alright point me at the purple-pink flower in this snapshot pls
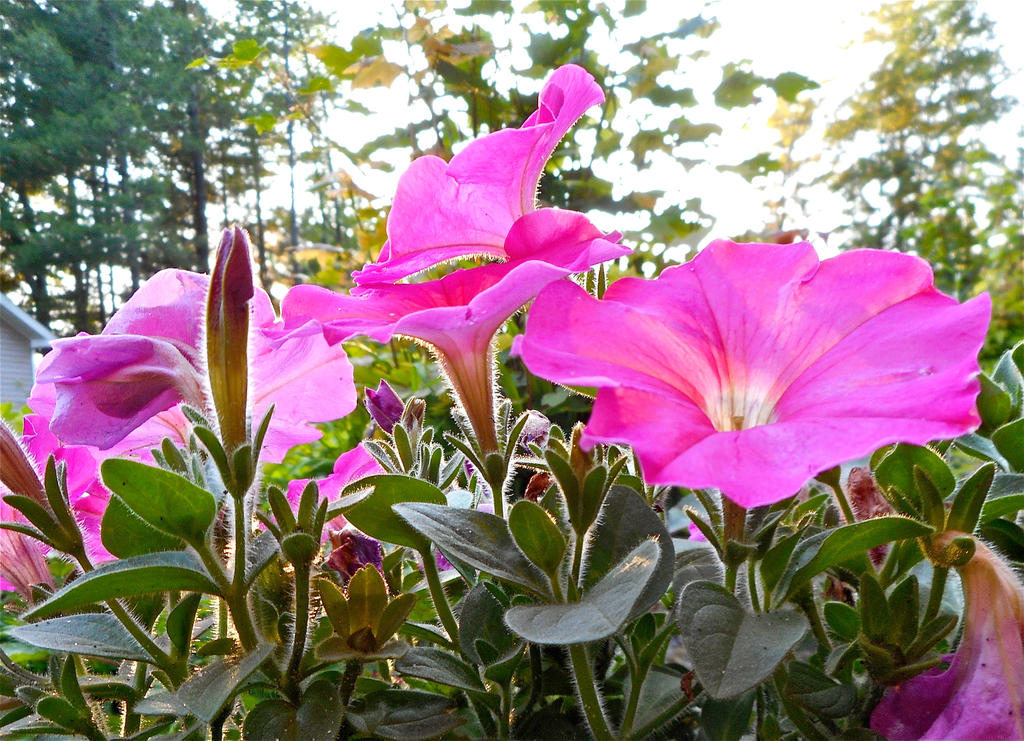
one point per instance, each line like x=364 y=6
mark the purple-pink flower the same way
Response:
x=119 y=391
x=443 y=210
x=981 y=694
x=754 y=367
x=459 y=314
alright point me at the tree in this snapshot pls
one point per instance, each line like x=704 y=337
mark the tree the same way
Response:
x=913 y=162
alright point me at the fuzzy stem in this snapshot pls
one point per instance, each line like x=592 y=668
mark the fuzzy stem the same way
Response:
x=301 y=625
x=935 y=596
x=590 y=697
x=472 y=380
x=444 y=610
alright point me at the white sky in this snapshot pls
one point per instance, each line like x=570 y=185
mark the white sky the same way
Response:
x=819 y=39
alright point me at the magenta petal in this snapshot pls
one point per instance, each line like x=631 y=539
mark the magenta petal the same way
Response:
x=466 y=207
x=754 y=367
x=168 y=305
x=305 y=378
x=460 y=312
x=108 y=385
x=981 y=694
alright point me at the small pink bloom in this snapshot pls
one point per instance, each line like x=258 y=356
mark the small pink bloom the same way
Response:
x=444 y=210
x=981 y=694
x=754 y=367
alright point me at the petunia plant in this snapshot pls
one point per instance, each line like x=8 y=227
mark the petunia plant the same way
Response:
x=792 y=509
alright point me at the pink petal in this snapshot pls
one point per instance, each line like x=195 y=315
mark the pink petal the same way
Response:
x=305 y=378
x=981 y=694
x=754 y=367
x=169 y=305
x=460 y=312
x=108 y=385
x=466 y=207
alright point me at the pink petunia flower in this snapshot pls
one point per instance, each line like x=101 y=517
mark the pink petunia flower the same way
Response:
x=119 y=391
x=754 y=367
x=444 y=210
x=981 y=694
x=459 y=314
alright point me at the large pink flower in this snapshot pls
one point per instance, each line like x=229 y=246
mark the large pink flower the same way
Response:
x=754 y=367
x=444 y=210
x=981 y=694
x=119 y=391
x=459 y=314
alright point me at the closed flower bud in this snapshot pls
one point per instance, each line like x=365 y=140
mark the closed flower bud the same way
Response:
x=227 y=334
x=384 y=406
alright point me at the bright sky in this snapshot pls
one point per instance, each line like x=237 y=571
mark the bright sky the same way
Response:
x=818 y=39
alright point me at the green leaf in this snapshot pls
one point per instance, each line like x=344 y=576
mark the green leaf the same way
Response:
x=969 y=500
x=983 y=448
x=994 y=403
x=318 y=717
x=169 y=502
x=696 y=561
x=1009 y=439
x=733 y=650
x=181 y=620
x=373 y=513
x=825 y=550
x=897 y=469
x=439 y=666
x=842 y=619
x=89 y=634
x=206 y=693
x=247 y=49
x=481 y=628
x=601 y=610
x=626 y=520
x=818 y=692
x=405 y=715
x=157 y=572
x=478 y=538
x=728 y=719
x=537 y=535
x=1006 y=497
x=661 y=687
x=125 y=534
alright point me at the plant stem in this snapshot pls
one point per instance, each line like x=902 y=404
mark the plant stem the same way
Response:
x=939 y=575
x=590 y=697
x=755 y=601
x=301 y=624
x=161 y=657
x=844 y=504
x=444 y=610
x=735 y=520
x=504 y=712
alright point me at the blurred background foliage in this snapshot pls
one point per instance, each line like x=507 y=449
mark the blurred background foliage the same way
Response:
x=133 y=130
